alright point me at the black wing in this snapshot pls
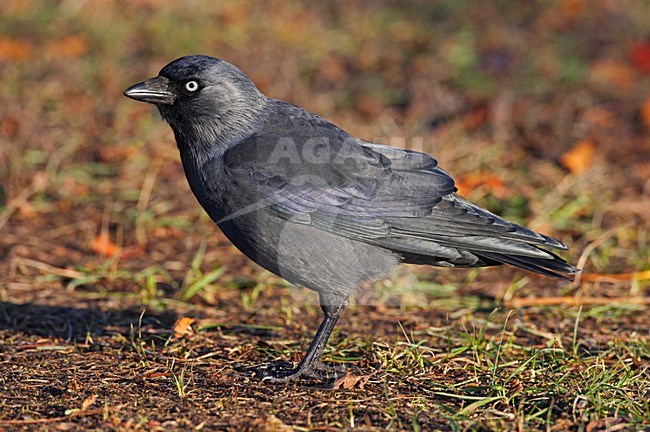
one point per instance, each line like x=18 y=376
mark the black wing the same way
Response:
x=301 y=165
x=308 y=171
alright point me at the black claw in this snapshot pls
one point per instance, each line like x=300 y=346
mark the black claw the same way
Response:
x=311 y=366
x=282 y=372
x=277 y=372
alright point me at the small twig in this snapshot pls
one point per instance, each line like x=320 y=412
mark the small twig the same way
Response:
x=616 y=277
x=15 y=204
x=575 y=301
x=70 y=228
x=80 y=413
x=47 y=268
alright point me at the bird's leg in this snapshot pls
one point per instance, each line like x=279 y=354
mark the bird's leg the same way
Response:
x=311 y=366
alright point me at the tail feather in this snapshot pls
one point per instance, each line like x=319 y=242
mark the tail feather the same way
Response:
x=555 y=268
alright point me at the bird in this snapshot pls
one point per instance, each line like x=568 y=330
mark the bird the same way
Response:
x=317 y=206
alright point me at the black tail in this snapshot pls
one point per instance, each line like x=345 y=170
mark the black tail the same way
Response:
x=555 y=268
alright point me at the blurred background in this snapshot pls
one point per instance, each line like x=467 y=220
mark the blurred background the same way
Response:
x=540 y=110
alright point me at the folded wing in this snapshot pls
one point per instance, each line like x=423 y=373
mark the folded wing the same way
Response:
x=309 y=171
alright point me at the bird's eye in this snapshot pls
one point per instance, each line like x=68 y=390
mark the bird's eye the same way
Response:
x=191 y=86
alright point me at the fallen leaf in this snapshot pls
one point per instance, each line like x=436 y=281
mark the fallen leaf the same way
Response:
x=115 y=153
x=572 y=8
x=9 y=126
x=103 y=245
x=580 y=157
x=150 y=375
x=40 y=180
x=270 y=423
x=26 y=210
x=132 y=251
x=15 y=7
x=13 y=49
x=491 y=182
x=182 y=326
x=640 y=56
x=334 y=69
x=349 y=381
x=605 y=424
x=474 y=118
x=612 y=73
x=68 y=47
x=88 y=402
x=598 y=116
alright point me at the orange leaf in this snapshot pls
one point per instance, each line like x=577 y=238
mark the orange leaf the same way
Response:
x=151 y=374
x=132 y=251
x=182 y=326
x=88 y=402
x=640 y=56
x=580 y=157
x=9 y=126
x=68 y=47
x=475 y=118
x=350 y=380
x=572 y=8
x=598 y=116
x=13 y=49
x=27 y=210
x=103 y=245
x=492 y=183
x=611 y=72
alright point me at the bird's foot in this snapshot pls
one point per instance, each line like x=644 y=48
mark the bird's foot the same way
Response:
x=283 y=372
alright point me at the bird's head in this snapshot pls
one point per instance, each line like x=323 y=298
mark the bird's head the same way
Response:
x=202 y=98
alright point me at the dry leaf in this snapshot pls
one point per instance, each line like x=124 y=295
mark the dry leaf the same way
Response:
x=580 y=157
x=132 y=251
x=489 y=181
x=68 y=47
x=40 y=180
x=572 y=8
x=13 y=49
x=270 y=423
x=152 y=374
x=598 y=116
x=27 y=210
x=603 y=425
x=15 y=7
x=9 y=126
x=103 y=245
x=475 y=118
x=349 y=381
x=88 y=402
x=182 y=326
x=612 y=73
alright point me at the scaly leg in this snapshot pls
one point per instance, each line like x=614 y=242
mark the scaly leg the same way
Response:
x=311 y=366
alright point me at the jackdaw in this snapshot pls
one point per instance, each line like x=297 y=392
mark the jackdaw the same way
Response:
x=318 y=207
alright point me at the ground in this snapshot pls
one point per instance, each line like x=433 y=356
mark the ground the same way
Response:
x=122 y=307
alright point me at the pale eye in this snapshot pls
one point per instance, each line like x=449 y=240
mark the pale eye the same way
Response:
x=191 y=86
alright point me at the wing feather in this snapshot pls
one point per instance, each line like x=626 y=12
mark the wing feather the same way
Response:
x=394 y=198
